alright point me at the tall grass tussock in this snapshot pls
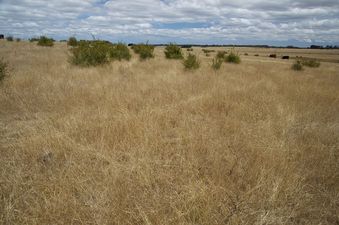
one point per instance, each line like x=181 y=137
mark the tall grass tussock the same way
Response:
x=3 y=70
x=191 y=62
x=216 y=63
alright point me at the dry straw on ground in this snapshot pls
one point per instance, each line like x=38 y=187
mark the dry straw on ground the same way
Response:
x=146 y=142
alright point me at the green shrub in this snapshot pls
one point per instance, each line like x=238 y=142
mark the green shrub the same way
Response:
x=45 y=41
x=9 y=38
x=17 y=39
x=191 y=62
x=297 y=66
x=91 y=53
x=172 y=51
x=310 y=63
x=145 y=51
x=72 y=41
x=3 y=70
x=216 y=63
x=120 y=51
x=233 y=58
x=221 y=54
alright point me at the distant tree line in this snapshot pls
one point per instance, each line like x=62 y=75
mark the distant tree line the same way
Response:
x=324 y=47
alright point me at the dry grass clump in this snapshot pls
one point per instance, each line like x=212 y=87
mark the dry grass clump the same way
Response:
x=297 y=66
x=216 y=63
x=310 y=63
x=191 y=62
x=3 y=70
x=145 y=143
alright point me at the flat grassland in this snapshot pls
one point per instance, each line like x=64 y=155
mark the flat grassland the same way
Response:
x=150 y=143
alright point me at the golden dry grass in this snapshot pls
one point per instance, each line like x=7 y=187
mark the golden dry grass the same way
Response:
x=148 y=143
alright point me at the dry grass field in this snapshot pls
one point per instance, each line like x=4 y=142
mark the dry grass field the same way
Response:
x=150 y=143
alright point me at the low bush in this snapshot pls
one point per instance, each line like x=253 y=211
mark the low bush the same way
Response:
x=216 y=63
x=310 y=63
x=18 y=39
x=256 y=55
x=221 y=55
x=45 y=41
x=246 y=54
x=72 y=41
x=90 y=53
x=190 y=49
x=233 y=58
x=297 y=66
x=172 y=51
x=119 y=52
x=145 y=51
x=9 y=38
x=191 y=62
x=3 y=70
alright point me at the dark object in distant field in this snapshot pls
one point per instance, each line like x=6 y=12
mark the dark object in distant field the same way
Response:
x=256 y=55
x=2 y=36
x=285 y=57
x=246 y=54
x=273 y=56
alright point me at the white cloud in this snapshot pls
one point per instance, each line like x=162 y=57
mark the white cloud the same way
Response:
x=213 y=20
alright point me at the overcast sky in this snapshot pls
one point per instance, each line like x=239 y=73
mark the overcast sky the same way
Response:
x=283 y=22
